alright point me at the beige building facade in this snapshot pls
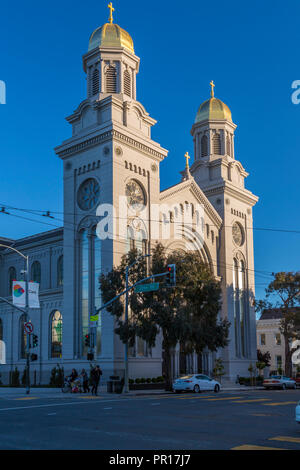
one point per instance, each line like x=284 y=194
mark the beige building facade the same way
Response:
x=111 y=167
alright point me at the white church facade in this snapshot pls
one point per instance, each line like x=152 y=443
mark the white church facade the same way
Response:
x=111 y=158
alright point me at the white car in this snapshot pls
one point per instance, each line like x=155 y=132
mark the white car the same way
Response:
x=195 y=383
x=298 y=413
x=279 y=381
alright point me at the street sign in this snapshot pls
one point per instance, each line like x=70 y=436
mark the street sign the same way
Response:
x=147 y=287
x=28 y=328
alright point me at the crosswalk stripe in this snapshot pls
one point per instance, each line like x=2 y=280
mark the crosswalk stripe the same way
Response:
x=252 y=447
x=285 y=439
x=281 y=403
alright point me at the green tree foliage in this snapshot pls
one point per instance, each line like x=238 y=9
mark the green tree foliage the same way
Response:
x=186 y=314
x=264 y=357
x=284 y=290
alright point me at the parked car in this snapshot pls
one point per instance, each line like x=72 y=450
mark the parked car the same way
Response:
x=298 y=413
x=279 y=381
x=297 y=380
x=195 y=383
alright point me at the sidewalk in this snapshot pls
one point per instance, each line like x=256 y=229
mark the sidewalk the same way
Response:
x=102 y=391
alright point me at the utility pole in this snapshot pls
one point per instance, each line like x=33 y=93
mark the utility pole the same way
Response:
x=28 y=334
x=126 y=378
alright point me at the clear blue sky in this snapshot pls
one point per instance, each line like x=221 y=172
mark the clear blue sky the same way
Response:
x=250 y=50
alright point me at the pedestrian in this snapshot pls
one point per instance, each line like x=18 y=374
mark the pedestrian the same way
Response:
x=85 y=381
x=96 y=374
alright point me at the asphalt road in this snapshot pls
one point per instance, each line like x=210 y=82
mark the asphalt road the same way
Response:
x=228 y=420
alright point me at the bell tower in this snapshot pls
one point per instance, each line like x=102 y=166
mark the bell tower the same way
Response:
x=221 y=177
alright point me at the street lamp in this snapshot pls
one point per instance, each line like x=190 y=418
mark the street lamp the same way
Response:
x=126 y=387
x=26 y=271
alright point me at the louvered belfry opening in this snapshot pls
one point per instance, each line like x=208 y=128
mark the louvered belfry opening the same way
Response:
x=217 y=144
x=204 y=146
x=228 y=146
x=95 y=82
x=111 y=80
x=127 y=83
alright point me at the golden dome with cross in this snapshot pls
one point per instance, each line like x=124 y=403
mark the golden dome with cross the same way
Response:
x=111 y=35
x=213 y=109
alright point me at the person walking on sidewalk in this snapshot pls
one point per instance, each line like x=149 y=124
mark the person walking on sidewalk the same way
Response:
x=85 y=381
x=96 y=374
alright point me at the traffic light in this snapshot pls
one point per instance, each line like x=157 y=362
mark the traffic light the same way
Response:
x=35 y=341
x=171 y=275
x=87 y=340
x=33 y=357
x=90 y=356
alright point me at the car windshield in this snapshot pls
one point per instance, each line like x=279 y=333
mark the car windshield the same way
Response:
x=186 y=377
x=276 y=377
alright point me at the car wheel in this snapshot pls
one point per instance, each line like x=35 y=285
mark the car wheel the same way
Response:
x=283 y=386
x=217 y=388
x=197 y=389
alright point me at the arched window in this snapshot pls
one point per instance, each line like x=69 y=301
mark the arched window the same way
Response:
x=23 y=337
x=204 y=146
x=12 y=276
x=36 y=272
x=56 y=334
x=95 y=82
x=127 y=83
x=217 y=144
x=60 y=271
x=111 y=80
x=84 y=281
x=1 y=330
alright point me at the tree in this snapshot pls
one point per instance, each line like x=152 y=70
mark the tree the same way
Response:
x=285 y=287
x=264 y=357
x=218 y=370
x=186 y=314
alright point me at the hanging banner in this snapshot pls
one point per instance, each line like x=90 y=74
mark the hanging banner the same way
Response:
x=19 y=294
x=34 y=301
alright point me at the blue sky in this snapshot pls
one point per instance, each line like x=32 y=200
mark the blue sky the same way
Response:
x=248 y=48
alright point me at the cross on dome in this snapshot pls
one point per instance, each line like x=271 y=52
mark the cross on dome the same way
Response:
x=212 y=93
x=110 y=6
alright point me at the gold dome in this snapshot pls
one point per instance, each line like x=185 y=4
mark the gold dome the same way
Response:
x=213 y=109
x=111 y=35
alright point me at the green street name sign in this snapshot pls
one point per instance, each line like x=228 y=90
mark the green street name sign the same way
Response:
x=147 y=287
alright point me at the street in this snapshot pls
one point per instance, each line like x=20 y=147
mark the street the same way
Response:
x=253 y=419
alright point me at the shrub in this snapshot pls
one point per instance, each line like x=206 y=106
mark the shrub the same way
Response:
x=148 y=381
x=15 y=378
x=131 y=381
x=160 y=379
x=23 y=380
x=137 y=381
x=154 y=380
x=143 y=380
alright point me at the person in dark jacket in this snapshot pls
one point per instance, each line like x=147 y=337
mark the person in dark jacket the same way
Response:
x=85 y=381
x=95 y=374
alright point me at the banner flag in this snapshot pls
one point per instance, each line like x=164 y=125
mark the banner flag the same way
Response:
x=19 y=294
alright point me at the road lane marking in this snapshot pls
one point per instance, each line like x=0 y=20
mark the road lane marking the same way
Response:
x=193 y=397
x=52 y=414
x=221 y=399
x=26 y=398
x=250 y=447
x=281 y=403
x=285 y=439
x=252 y=401
x=108 y=408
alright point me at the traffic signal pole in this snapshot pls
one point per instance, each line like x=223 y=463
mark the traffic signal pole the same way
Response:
x=28 y=335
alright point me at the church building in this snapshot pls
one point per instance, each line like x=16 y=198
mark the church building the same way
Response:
x=111 y=158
